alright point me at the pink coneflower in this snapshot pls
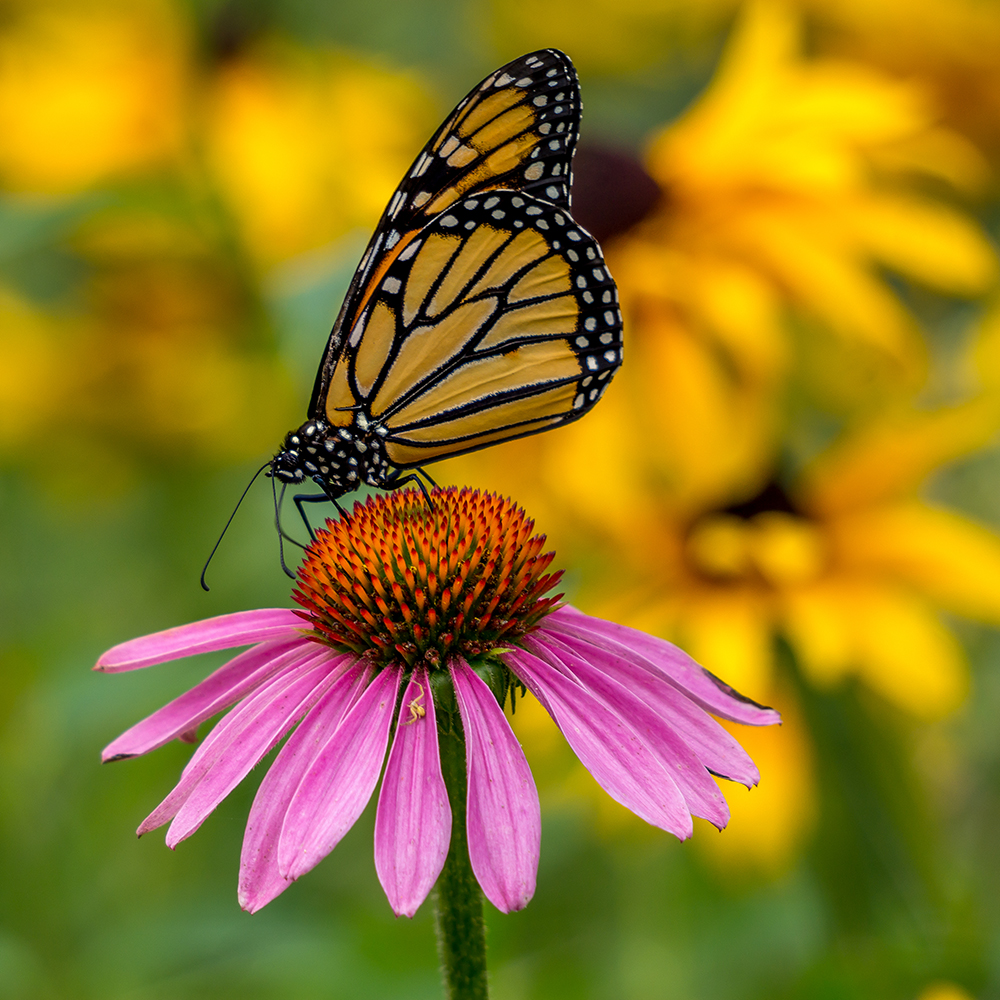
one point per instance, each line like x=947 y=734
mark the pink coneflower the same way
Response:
x=419 y=623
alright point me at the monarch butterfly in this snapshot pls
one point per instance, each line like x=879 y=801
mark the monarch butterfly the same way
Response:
x=480 y=311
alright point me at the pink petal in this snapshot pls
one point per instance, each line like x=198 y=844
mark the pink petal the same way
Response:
x=607 y=746
x=413 y=822
x=503 y=817
x=701 y=794
x=231 y=727
x=336 y=789
x=717 y=749
x=260 y=880
x=250 y=746
x=218 y=691
x=665 y=660
x=239 y=629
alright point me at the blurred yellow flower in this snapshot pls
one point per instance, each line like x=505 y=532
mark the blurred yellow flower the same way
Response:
x=777 y=193
x=88 y=91
x=308 y=145
x=951 y=45
x=944 y=991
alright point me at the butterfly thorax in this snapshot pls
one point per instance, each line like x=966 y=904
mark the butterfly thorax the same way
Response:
x=338 y=459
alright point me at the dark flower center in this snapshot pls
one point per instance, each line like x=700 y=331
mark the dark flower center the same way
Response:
x=399 y=581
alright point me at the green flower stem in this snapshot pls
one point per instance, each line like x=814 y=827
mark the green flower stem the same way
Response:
x=461 y=929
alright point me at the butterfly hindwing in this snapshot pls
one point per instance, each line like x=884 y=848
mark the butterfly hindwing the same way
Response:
x=499 y=319
x=516 y=130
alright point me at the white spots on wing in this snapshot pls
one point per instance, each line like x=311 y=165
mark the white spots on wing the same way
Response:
x=471 y=204
x=490 y=202
x=503 y=79
x=421 y=199
x=545 y=128
x=532 y=210
x=578 y=402
x=498 y=214
x=392 y=239
x=397 y=202
x=609 y=318
x=409 y=251
x=582 y=342
x=590 y=324
x=451 y=144
x=540 y=101
x=391 y=285
x=574 y=235
x=573 y=255
x=542 y=224
x=525 y=81
x=517 y=201
x=606 y=338
x=420 y=167
x=535 y=171
x=359 y=328
x=449 y=221
x=552 y=191
x=471 y=224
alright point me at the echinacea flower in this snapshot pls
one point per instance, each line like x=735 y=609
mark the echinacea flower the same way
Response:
x=418 y=621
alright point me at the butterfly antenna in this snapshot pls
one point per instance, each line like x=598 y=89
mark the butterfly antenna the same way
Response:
x=215 y=548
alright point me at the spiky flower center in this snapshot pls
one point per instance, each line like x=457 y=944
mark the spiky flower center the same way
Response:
x=398 y=580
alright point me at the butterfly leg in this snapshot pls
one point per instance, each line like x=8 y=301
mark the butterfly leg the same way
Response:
x=397 y=481
x=301 y=498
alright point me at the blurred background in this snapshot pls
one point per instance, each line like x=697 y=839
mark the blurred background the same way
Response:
x=795 y=475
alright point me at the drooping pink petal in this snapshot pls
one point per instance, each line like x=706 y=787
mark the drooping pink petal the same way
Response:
x=260 y=880
x=252 y=744
x=712 y=745
x=232 y=727
x=336 y=789
x=413 y=822
x=224 y=632
x=701 y=794
x=218 y=691
x=607 y=746
x=503 y=817
x=665 y=660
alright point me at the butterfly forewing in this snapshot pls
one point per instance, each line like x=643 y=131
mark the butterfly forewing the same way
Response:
x=517 y=130
x=498 y=320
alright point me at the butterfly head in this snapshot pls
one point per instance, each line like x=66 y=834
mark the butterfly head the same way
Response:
x=311 y=452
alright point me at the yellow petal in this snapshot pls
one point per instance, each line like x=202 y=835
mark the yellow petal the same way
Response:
x=729 y=631
x=932 y=243
x=889 y=638
x=817 y=621
x=943 y=554
x=889 y=458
